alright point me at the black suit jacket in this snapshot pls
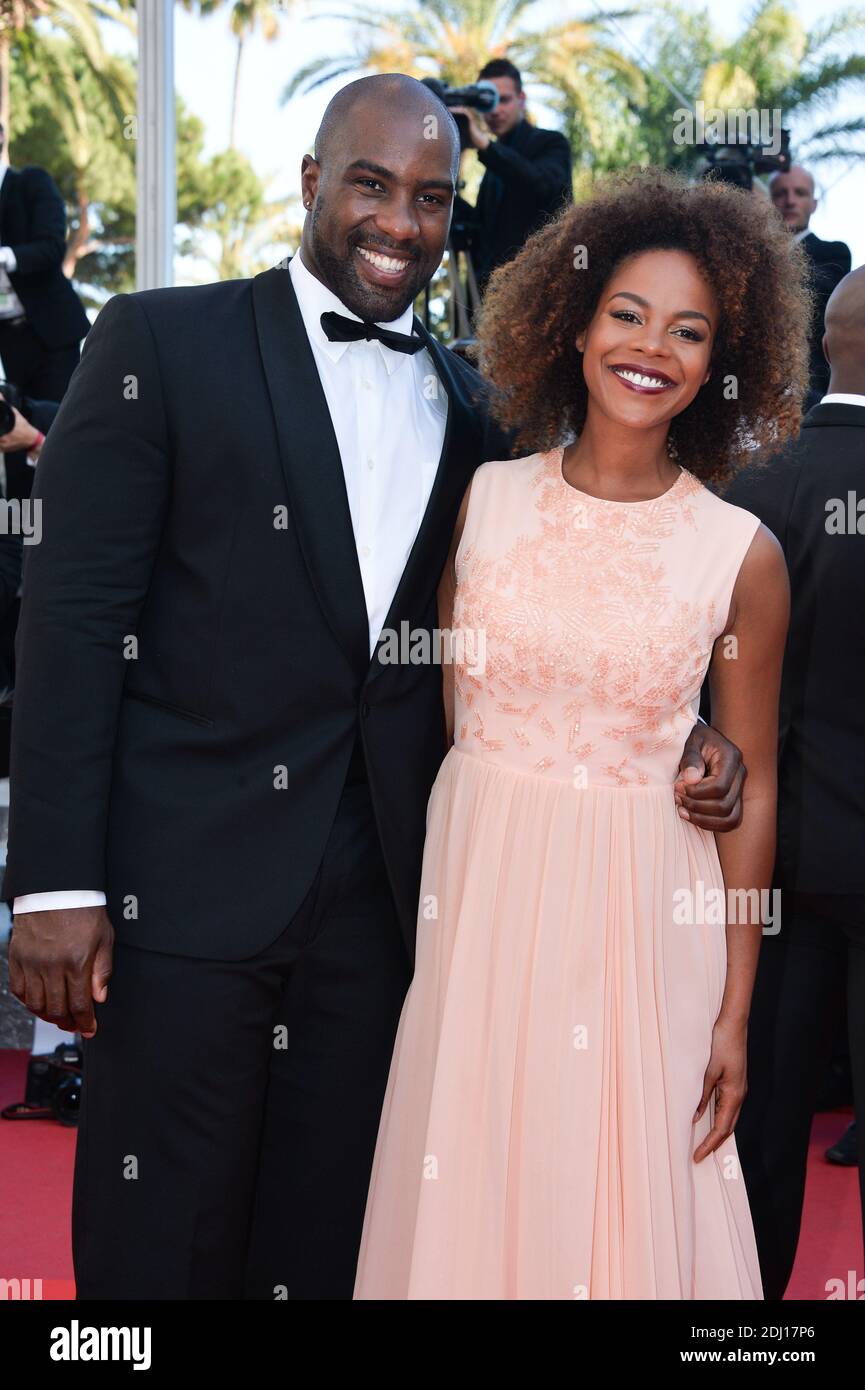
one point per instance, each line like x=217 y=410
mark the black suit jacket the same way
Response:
x=33 y=223
x=830 y=262
x=821 y=794
x=193 y=649
x=528 y=179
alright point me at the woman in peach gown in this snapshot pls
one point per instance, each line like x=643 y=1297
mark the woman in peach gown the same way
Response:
x=570 y=1059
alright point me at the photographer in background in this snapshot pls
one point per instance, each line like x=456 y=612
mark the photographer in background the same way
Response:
x=23 y=426
x=528 y=174
x=793 y=195
x=42 y=320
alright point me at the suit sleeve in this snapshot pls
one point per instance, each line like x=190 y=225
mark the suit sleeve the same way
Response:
x=494 y=442
x=768 y=492
x=42 y=414
x=102 y=487
x=542 y=175
x=46 y=245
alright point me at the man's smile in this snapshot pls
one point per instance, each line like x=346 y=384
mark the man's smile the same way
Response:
x=383 y=267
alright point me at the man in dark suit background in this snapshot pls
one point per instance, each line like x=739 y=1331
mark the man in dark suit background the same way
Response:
x=528 y=174
x=813 y=498
x=793 y=195
x=218 y=782
x=42 y=320
x=24 y=441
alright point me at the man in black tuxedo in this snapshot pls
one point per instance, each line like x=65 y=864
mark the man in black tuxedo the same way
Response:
x=813 y=498
x=793 y=195
x=527 y=179
x=248 y=484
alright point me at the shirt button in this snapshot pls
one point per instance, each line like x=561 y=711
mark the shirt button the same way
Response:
x=364 y=551
x=367 y=385
x=370 y=461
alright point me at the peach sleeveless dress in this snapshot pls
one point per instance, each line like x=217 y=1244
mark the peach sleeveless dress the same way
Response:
x=536 y=1138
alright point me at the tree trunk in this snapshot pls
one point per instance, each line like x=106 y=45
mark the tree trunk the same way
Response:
x=5 y=46
x=235 y=94
x=78 y=244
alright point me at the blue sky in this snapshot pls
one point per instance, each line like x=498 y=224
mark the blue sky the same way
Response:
x=275 y=138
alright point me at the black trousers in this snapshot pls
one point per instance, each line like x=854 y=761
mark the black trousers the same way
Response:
x=230 y=1109
x=802 y=977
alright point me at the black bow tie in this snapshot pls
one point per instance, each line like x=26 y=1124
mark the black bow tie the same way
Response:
x=339 y=329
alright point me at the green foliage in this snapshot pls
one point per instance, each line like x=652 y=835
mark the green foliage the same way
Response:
x=73 y=103
x=618 y=110
x=80 y=124
x=773 y=64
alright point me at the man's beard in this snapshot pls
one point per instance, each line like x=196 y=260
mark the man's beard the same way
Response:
x=343 y=278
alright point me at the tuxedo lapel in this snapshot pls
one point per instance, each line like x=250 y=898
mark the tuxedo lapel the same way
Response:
x=315 y=479
x=311 y=462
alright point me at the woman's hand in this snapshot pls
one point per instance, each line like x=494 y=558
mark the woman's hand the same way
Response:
x=726 y=1072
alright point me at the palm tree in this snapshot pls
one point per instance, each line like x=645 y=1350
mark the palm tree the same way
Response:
x=87 y=112
x=241 y=227
x=77 y=19
x=572 y=61
x=246 y=17
x=773 y=64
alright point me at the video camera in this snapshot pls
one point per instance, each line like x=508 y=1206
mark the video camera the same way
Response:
x=738 y=163
x=480 y=96
x=11 y=397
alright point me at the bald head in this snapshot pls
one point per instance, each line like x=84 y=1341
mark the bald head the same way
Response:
x=799 y=174
x=379 y=192
x=387 y=96
x=844 y=339
x=793 y=195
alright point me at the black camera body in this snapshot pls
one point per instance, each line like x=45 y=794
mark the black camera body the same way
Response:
x=479 y=96
x=738 y=163
x=54 y=1082
x=11 y=396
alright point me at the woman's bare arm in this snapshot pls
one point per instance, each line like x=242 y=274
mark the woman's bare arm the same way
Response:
x=745 y=681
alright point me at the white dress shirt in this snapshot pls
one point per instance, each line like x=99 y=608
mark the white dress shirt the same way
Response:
x=10 y=305
x=843 y=398
x=389 y=411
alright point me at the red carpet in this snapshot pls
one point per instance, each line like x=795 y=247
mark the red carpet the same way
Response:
x=36 y=1159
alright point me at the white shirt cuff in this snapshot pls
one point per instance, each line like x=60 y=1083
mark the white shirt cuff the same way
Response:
x=7 y=255
x=51 y=902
